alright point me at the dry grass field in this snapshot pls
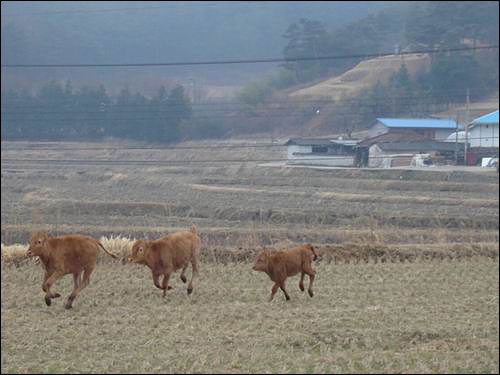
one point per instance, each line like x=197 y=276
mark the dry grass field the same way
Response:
x=408 y=280
x=366 y=74
x=423 y=317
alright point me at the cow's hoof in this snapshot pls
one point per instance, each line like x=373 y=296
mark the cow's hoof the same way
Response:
x=301 y=287
x=169 y=287
x=48 y=301
x=190 y=290
x=311 y=293
x=184 y=279
x=68 y=306
x=56 y=295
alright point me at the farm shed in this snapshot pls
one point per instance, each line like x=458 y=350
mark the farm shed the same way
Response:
x=362 y=148
x=483 y=131
x=320 y=151
x=428 y=128
x=398 y=154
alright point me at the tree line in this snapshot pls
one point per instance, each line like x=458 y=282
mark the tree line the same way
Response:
x=60 y=112
x=422 y=25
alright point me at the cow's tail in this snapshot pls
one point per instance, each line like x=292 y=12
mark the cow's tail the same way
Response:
x=313 y=251
x=196 y=244
x=106 y=251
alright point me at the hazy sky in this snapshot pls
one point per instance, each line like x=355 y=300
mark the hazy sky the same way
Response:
x=48 y=32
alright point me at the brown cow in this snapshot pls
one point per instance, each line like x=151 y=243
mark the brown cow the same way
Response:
x=282 y=264
x=169 y=254
x=62 y=255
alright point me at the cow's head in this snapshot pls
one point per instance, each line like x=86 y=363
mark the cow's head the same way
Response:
x=138 y=252
x=262 y=261
x=38 y=243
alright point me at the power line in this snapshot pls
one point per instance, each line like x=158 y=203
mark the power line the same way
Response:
x=401 y=155
x=230 y=103
x=151 y=148
x=321 y=100
x=250 y=61
x=158 y=118
x=167 y=117
x=167 y=108
x=79 y=11
x=198 y=147
x=230 y=107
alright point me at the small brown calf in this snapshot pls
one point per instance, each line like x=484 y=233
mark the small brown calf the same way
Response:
x=283 y=264
x=62 y=255
x=169 y=254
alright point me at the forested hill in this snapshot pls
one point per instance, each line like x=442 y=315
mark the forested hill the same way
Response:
x=395 y=86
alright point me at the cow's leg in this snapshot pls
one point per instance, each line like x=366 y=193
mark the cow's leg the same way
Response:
x=81 y=285
x=301 y=284
x=77 y=280
x=194 y=266
x=165 y=286
x=45 y=278
x=54 y=295
x=183 y=273
x=170 y=287
x=308 y=269
x=48 y=283
x=156 y=279
x=282 y=286
x=274 y=290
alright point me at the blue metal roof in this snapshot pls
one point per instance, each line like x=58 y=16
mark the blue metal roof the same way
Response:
x=418 y=123
x=490 y=118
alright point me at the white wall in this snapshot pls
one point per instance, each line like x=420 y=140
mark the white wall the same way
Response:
x=317 y=159
x=330 y=161
x=484 y=136
x=377 y=158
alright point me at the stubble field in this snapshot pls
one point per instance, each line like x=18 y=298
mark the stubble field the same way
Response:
x=407 y=281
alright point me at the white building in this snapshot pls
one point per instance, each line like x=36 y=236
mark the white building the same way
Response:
x=483 y=131
x=319 y=151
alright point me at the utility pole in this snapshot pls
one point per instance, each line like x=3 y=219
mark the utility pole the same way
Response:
x=456 y=140
x=193 y=89
x=466 y=128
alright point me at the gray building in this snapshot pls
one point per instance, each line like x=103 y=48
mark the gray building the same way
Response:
x=398 y=154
